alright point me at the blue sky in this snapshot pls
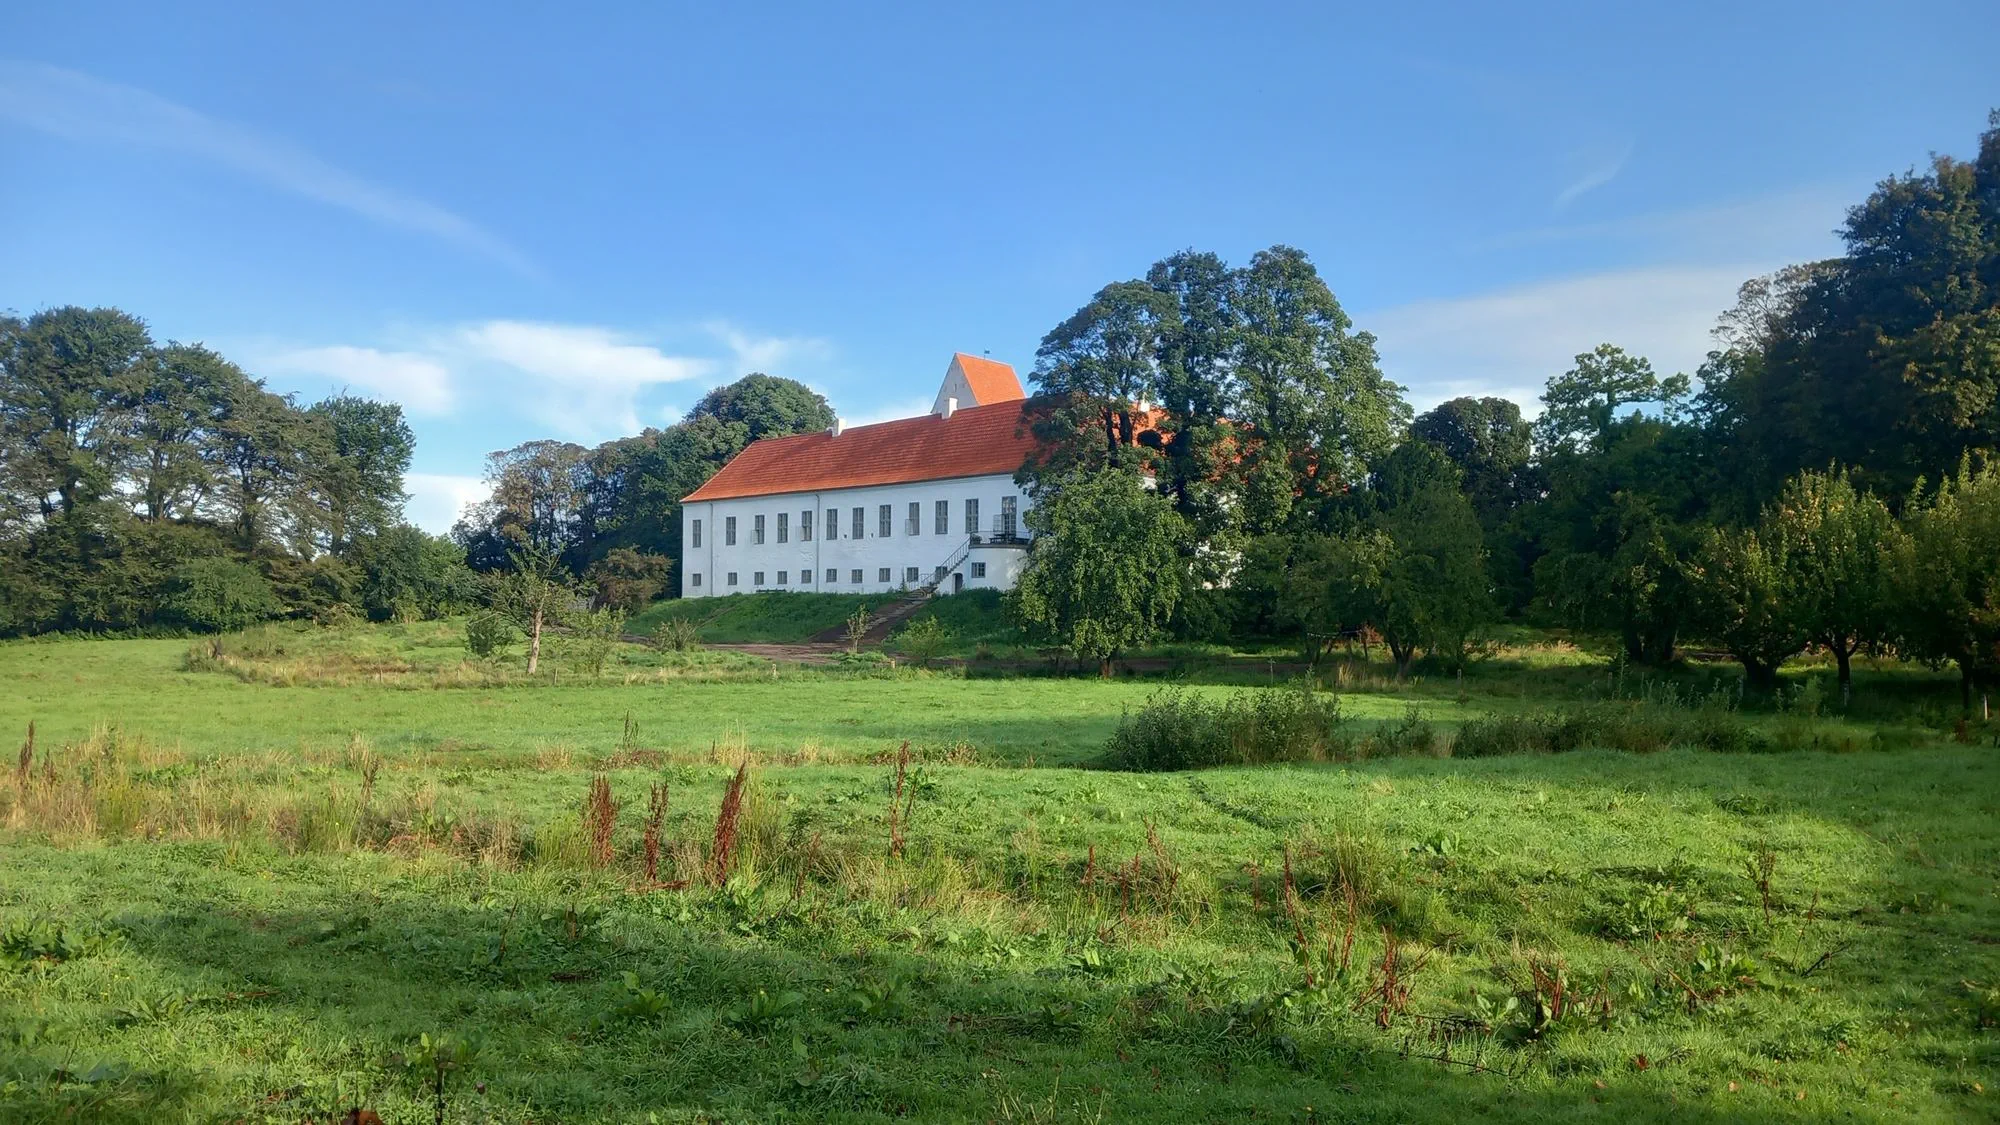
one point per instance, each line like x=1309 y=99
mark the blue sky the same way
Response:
x=522 y=222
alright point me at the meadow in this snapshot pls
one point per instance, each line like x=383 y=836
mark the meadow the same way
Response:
x=295 y=874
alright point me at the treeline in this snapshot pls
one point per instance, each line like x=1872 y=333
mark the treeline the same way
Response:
x=1774 y=500
x=159 y=486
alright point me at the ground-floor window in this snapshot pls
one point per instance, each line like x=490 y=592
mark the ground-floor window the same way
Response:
x=883 y=576
x=832 y=575
x=732 y=578
x=979 y=570
x=909 y=574
x=783 y=576
x=805 y=577
x=694 y=579
x=757 y=578
x=855 y=578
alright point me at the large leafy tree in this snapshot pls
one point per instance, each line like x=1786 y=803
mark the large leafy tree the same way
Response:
x=1581 y=406
x=1842 y=546
x=1106 y=570
x=356 y=481
x=765 y=406
x=1745 y=586
x=1095 y=370
x=69 y=377
x=1949 y=576
x=174 y=424
x=261 y=451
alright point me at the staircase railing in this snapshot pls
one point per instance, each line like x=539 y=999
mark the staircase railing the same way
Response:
x=958 y=557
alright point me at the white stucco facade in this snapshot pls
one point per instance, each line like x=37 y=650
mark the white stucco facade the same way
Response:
x=808 y=540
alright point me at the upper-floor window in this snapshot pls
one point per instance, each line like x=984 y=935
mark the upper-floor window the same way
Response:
x=805 y=526
x=882 y=520
x=783 y=531
x=729 y=533
x=1007 y=516
x=694 y=534
x=943 y=517
x=757 y=530
x=972 y=516
x=911 y=525
x=860 y=514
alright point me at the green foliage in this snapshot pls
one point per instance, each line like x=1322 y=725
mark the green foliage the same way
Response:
x=218 y=595
x=1949 y=574
x=1746 y=588
x=627 y=580
x=923 y=640
x=677 y=634
x=1182 y=730
x=407 y=572
x=590 y=639
x=487 y=635
x=1106 y=570
x=1581 y=406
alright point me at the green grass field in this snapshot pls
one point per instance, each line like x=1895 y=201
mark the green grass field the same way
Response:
x=336 y=870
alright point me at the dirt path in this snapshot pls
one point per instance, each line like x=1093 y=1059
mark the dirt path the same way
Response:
x=810 y=652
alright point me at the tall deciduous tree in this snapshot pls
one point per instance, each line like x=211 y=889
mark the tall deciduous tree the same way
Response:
x=1097 y=368
x=1580 y=405
x=356 y=482
x=1106 y=570
x=69 y=377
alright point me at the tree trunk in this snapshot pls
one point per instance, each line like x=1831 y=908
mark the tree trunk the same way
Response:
x=1404 y=654
x=1965 y=685
x=1104 y=668
x=1843 y=655
x=534 y=642
x=1759 y=676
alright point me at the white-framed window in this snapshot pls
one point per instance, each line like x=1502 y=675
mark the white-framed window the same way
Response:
x=695 y=533
x=938 y=574
x=732 y=578
x=729 y=531
x=757 y=530
x=883 y=575
x=909 y=574
x=979 y=570
x=833 y=575
x=805 y=577
x=757 y=578
x=784 y=577
x=913 y=524
x=854 y=576
x=860 y=516
x=806 y=526
x=882 y=521
x=784 y=520
x=943 y=517
x=695 y=579
x=972 y=516
x=1008 y=516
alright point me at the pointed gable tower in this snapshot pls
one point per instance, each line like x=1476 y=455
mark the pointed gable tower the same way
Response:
x=971 y=380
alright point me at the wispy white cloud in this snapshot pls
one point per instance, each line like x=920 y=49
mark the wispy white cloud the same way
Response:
x=420 y=383
x=767 y=354
x=1601 y=168
x=437 y=499
x=577 y=354
x=1791 y=225
x=76 y=106
x=890 y=411
x=1510 y=342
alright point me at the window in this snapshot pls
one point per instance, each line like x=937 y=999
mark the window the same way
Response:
x=757 y=529
x=832 y=524
x=938 y=574
x=805 y=577
x=783 y=576
x=944 y=517
x=783 y=519
x=694 y=579
x=854 y=577
x=859 y=515
x=979 y=570
x=729 y=533
x=883 y=576
x=832 y=575
x=882 y=519
x=805 y=527
x=1007 y=516
x=757 y=578
x=732 y=578
x=911 y=526
x=972 y=517
x=696 y=533
x=909 y=574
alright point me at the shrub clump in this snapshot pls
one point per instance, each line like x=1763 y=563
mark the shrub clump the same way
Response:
x=1181 y=730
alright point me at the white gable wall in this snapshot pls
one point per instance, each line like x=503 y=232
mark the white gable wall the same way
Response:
x=956 y=386
x=803 y=564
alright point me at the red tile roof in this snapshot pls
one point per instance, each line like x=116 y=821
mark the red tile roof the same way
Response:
x=975 y=441
x=991 y=380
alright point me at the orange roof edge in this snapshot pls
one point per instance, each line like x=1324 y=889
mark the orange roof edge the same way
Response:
x=991 y=380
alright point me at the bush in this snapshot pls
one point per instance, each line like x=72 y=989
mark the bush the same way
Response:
x=923 y=640
x=487 y=635
x=218 y=595
x=1178 y=730
x=677 y=634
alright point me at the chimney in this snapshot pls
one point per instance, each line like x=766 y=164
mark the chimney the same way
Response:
x=950 y=408
x=839 y=427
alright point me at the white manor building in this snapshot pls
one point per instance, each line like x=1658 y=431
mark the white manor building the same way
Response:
x=914 y=503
